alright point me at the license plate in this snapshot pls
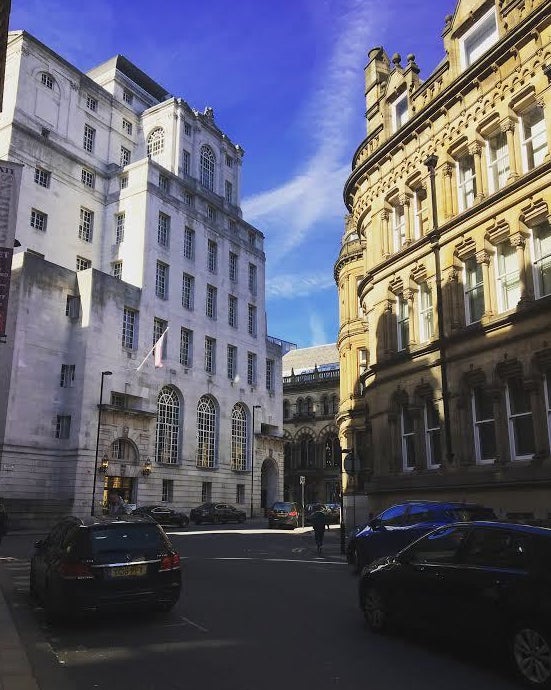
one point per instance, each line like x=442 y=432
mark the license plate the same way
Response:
x=128 y=570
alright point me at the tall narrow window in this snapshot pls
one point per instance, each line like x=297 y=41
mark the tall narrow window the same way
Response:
x=498 y=161
x=125 y=156
x=207 y=167
x=188 y=290
x=474 y=290
x=253 y=277
x=533 y=137
x=167 y=491
x=89 y=139
x=251 y=368
x=403 y=323
x=210 y=355
x=479 y=38
x=156 y=142
x=86 y=225
x=231 y=368
x=212 y=256
x=210 y=305
x=398 y=227
x=400 y=112
x=129 y=328
x=408 y=439
x=161 y=280
x=232 y=311
x=232 y=267
x=189 y=243
x=119 y=227
x=228 y=190
x=206 y=492
x=186 y=347
x=521 y=426
x=168 y=427
x=542 y=259
x=159 y=327
x=270 y=374
x=163 y=229
x=508 y=277
x=186 y=162
x=238 y=438
x=484 y=425
x=426 y=315
x=252 y=320
x=116 y=269
x=466 y=182
x=67 y=377
x=432 y=435
x=420 y=210
x=206 y=433
x=63 y=426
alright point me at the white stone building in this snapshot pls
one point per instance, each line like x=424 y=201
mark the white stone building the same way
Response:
x=129 y=223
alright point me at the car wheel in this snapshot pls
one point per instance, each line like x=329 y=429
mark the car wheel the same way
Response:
x=531 y=655
x=375 y=611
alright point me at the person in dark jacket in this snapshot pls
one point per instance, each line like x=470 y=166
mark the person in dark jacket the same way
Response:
x=318 y=520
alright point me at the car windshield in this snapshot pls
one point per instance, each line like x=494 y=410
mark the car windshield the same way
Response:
x=123 y=539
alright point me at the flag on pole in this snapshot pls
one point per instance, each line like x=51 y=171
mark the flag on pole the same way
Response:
x=157 y=351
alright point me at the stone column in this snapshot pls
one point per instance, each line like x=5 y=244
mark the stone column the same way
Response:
x=385 y=216
x=476 y=152
x=509 y=128
x=389 y=330
x=518 y=241
x=501 y=423
x=447 y=169
x=404 y=200
x=409 y=295
x=483 y=257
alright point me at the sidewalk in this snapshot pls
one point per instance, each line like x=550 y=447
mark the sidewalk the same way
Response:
x=15 y=669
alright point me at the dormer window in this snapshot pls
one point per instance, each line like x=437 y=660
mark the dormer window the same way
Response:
x=479 y=38
x=400 y=113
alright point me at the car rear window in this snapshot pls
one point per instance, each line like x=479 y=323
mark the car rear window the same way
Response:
x=470 y=513
x=282 y=506
x=126 y=538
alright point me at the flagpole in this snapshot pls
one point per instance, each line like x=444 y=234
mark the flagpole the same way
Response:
x=151 y=351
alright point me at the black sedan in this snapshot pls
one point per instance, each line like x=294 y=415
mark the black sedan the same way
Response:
x=107 y=563
x=216 y=513
x=484 y=582
x=163 y=515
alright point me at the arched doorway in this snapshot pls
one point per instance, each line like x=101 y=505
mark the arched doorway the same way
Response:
x=269 y=483
x=121 y=475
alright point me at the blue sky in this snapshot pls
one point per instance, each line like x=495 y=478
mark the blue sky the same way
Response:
x=285 y=79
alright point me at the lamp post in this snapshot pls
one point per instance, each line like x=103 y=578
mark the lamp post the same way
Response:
x=103 y=375
x=255 y=407
x=431 y=162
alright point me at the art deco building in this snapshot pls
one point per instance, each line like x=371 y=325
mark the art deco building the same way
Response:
x=444 y=273
x=129 y=222
x=310 y=403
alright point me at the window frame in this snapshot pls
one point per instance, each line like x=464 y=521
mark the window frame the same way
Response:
x=473 y=292
x=504 y=285
x=478 y=424
x=473 y=34
x=512 y=417
x=186 y=347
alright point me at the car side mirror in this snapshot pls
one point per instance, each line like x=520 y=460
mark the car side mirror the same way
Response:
x=376 y=524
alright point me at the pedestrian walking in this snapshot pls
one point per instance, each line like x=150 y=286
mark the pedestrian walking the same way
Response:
x=318 y=520
x=116 y=504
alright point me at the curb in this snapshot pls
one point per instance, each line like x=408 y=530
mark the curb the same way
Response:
x=15 y=669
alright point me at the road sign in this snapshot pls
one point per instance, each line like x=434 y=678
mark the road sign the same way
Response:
x=302 y=479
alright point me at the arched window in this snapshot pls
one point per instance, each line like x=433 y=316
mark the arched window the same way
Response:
x=307 y=452
x=334 y=404
x=123 y=450
x=206 y=432
x=309 y=407
x=238 y=438
x=325 y=405
x=168 y=426
x=332 y=451
x=286 y=410
x=300 y=406
x=156 y=142
x=207 y=167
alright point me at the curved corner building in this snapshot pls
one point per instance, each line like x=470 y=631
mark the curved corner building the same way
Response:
x=444 y=273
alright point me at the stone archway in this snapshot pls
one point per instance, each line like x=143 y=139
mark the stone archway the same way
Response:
x=269 y=483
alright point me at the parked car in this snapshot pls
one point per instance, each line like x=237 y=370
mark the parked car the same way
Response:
x=163 y=515
x=105 y=563
x=485 y=582
x=284 y=514
x=334 y=511
x=3 y=520
x=401 y=524
x=216 y=513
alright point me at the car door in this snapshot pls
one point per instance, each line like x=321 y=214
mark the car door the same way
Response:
x=50 y=553
x=162 y=515
x=385 y=536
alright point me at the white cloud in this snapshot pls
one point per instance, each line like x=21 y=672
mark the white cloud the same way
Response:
x=318 y=335
x=288 y=285
x=288 y=213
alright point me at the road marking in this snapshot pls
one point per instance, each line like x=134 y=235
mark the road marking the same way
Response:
x=319 y=560
x=194 y=625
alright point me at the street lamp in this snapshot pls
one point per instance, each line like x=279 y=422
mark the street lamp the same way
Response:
x=103 y=375
x=255 y=407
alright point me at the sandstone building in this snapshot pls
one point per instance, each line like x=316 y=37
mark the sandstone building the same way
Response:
x=444 y=273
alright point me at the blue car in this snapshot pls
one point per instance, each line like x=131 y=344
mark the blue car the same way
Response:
x=402 y=524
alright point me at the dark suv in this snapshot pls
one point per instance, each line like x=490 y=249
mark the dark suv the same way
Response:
x=483 y=583
x=105 y=563
x=401 y=524
x=284 y=514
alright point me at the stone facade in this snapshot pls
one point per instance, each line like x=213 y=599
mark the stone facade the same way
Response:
x=310 y=403
x=129 y=223
x=444 y=273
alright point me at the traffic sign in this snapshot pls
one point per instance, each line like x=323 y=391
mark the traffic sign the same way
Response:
x=302 y=479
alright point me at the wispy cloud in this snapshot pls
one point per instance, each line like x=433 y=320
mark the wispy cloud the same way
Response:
x=291 y=211
x=291 y=285
x=318 y=333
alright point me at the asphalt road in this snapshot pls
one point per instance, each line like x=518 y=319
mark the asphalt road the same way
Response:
x=260 y=611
